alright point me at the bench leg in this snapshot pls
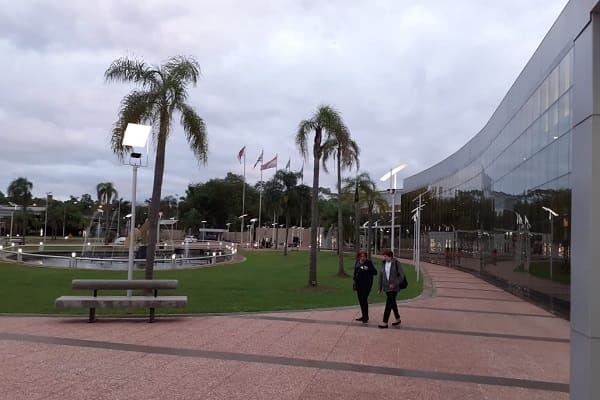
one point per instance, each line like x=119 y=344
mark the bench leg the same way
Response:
x=151 y=315
x=92 y=315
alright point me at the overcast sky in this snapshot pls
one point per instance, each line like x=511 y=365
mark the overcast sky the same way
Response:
x=413 y=80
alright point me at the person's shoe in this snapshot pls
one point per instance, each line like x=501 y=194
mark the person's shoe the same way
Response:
x=397 y=322
x=361 y=319
x=382 y=326
x=365 y=320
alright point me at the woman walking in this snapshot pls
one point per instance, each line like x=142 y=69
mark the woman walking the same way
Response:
x=363 y=282
x=390 y=278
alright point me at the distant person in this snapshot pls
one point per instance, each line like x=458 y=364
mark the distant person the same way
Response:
x=390 y=278
x=364 y=270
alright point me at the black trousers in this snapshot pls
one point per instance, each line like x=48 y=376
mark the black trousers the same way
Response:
x=390 y=305
x=363 y=296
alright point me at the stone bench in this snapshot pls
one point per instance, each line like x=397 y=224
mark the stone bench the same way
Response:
x=122 y=301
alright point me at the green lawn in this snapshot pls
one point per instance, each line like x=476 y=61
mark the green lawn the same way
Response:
x=266 y=281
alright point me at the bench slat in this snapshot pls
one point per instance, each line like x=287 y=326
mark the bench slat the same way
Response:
x=125 y=284
x=121 y=302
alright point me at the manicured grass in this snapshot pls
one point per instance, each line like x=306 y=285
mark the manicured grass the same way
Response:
x=266 y=281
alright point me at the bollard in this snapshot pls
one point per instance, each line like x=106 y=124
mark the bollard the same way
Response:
x=20 y=255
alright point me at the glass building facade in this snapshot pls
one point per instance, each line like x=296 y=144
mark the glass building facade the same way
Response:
x=501 y=206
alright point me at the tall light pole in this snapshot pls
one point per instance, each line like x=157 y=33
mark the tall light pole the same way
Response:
x=12 y=215
x=551 y=214
x=253 y=221
x=46 y=216
x=392 y=190
x=203 y=222
x=136 y=136
x=241 y=217
x=65 y=215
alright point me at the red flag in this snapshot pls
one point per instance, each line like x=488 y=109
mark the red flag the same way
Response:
x=241 y=153
x=270 y=164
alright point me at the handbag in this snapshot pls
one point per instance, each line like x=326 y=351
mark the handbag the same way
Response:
x=404 y=283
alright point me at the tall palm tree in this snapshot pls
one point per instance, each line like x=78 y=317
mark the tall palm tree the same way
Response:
x=106 y=193
x=366 y=195
x=19 y=191
x=346 y=152
x=325 y=123
x=162 y=92
x=290 y=199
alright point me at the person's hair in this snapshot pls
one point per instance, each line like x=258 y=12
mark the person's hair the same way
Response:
x=388 y=253
x=360 y=253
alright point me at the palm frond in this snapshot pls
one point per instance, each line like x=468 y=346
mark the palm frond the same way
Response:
x=182 y=69
x=304 y=129
x=195 y=130
x=131 y=70
x=136 y=107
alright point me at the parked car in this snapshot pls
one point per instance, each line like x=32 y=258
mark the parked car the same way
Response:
x=120 y=241
x=190 y=239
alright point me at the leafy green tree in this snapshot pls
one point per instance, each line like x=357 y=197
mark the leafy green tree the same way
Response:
x=345 y=151
x=162 y=92
x=289 y=197
x=19 y=191
x=325 y=123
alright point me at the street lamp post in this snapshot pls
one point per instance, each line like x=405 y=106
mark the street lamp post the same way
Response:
x=135 y=136
x=253 y=221
x=551 y=214
x=46 y=214
x=12 y=215
x=203 y=229
x=241 y=217
x=392 y=190
x=65 y=216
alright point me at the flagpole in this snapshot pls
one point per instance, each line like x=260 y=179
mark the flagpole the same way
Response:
x=244 y=188
x=260 y=198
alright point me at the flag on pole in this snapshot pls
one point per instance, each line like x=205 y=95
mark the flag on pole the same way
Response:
x=270 y=164
x=260 y=159
x=287 y=166
x=241 y=154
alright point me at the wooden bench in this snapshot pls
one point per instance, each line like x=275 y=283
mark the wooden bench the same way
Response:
x=122 y=302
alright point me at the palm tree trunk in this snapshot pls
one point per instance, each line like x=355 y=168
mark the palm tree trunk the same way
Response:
x=314 y=205
x=159 y=168
x=340 y=239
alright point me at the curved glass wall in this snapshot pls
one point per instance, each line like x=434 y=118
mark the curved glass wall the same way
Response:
x=485 y=204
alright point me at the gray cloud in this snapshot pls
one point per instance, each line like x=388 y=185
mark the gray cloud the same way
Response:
x=413 y=80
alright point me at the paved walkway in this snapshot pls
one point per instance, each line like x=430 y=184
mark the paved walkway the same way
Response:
x=469 y=340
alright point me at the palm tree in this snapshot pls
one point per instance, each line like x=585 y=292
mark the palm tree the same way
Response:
x=19 y=191
x=325 y=123
x=162 y=91
x=106 y=193
x=365 y=194
x=290 y=199
x=346 y=152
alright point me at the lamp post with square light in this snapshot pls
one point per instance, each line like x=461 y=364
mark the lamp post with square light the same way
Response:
x=551 y=215
x=135 y=138
x=392 y=190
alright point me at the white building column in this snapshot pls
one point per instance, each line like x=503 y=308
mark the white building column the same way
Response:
x=585 y=230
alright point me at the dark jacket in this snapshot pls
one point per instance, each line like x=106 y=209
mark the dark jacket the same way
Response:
x=396 y=276
x=363 y=277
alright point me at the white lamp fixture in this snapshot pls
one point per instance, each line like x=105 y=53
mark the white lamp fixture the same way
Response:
x=393 y=172
x=135 y=136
